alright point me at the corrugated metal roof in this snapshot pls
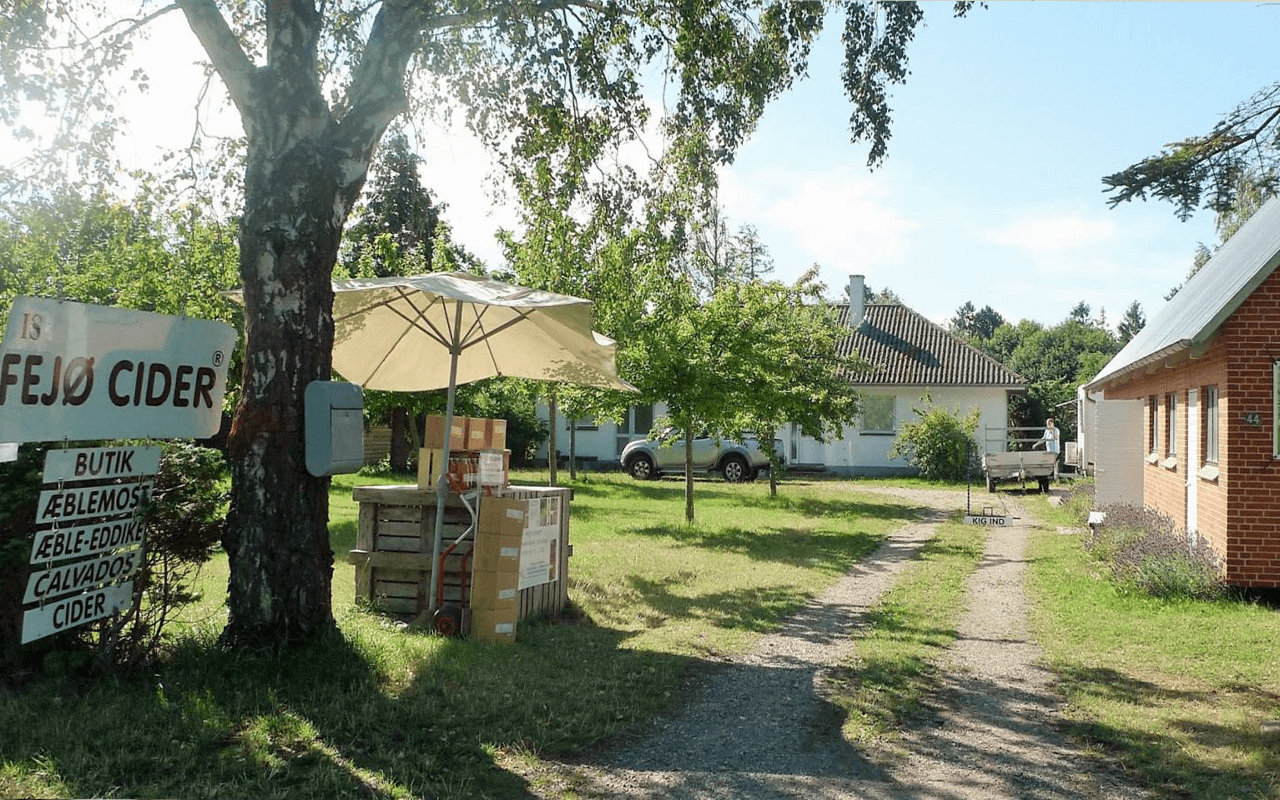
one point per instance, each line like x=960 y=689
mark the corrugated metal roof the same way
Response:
x=1197 y=311
x=908 y=350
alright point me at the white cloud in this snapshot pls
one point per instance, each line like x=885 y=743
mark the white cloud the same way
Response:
x=846 y=225
x=1052 y=234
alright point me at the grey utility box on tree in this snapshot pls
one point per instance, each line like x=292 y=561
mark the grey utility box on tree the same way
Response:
x=334 y=428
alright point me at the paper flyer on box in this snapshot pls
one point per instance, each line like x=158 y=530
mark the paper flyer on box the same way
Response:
x=539 y=559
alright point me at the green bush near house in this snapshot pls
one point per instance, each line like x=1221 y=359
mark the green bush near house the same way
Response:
x=939 y=443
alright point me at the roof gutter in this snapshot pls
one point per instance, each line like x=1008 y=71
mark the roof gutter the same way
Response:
x=1128 y=370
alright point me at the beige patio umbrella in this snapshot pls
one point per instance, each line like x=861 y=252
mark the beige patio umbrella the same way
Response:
x=447 y=328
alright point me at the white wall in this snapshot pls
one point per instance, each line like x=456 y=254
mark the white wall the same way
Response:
x=600 y=444
x=868 y=453
x=856 y=453
x=1119 y=428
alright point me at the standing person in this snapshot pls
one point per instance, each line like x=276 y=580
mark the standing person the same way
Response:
x=1051 y=437
x=1050 y=440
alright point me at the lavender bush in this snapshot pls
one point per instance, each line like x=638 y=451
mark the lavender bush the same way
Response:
x=1148 y=553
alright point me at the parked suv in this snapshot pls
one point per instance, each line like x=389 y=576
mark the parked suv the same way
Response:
x=646 y=459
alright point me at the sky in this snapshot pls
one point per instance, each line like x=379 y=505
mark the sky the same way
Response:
x=992 y=190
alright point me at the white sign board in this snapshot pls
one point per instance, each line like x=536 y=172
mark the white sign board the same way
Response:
x=76 y=610
x=986 y=519
x=539 y=559
x=59 y=544
x=100 y=463
x=75 y=371
x=111 y=500
x=81 y=575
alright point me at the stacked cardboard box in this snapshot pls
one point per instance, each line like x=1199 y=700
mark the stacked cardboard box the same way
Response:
x=495 y=578
x=470 y=438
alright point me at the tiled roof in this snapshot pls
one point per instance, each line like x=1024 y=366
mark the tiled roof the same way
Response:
x=906 y=349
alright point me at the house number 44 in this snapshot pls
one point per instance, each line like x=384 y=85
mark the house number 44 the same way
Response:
x=1253 y=418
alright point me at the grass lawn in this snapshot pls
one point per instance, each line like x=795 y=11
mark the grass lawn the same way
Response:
x=381 y=712
x=1175 y=690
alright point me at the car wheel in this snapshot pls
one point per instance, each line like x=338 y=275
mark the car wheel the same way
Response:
x=641 y=468
x=735 y=469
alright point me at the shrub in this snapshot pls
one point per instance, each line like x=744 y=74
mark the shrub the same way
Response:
x=940 y=443
x=1149 y=554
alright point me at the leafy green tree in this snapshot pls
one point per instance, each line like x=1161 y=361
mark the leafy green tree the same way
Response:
x=102 y=250
x=974 y=323
x=794 y=372
x=317 y=85
x=1054 y=361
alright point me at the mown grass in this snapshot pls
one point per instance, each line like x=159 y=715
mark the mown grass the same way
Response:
x=382 y=712
x=895 y=659
x=1175 y=690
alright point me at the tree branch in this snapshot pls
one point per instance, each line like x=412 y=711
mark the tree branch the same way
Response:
x=224 y=50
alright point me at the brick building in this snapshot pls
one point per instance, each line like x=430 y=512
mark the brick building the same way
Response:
x=1207 y=370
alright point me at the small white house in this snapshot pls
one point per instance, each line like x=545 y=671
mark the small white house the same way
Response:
x=910 y=357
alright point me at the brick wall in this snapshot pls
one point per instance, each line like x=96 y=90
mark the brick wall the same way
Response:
x=1239 y=510
x=1253 y=505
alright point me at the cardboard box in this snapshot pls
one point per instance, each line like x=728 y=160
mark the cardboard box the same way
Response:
x=495 y=591
x=433 y=433
x=497 y=434
x=477 y=433
x=497 y=552
x=493 y=626
x=502 y=515
x=430 y=462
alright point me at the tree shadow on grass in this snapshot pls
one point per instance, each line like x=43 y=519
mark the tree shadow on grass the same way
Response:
x=831 y=550
x=1165 y=761
x=339 y=718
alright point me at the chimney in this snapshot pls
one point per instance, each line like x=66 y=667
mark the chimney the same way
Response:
x=857 y=306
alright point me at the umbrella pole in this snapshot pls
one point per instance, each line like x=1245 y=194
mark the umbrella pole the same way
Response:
x=442 y=483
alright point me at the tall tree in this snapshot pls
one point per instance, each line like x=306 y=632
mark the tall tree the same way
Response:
x=1132 y=322
x=977 y=324
x=317 y=85
x=393 y=230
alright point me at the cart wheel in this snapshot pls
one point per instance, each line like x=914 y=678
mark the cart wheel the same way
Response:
x=1044 y=486
x=447 y=621
x=991 y=485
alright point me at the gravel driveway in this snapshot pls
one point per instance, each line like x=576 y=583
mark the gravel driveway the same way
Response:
x=760 y=728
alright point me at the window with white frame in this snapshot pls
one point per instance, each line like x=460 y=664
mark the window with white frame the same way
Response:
x=1171 y=424
x=1210 y=425
x=1275 y=409
x=1153 y=416
x=877 y=413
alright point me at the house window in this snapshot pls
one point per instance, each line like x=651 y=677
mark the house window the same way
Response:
x=1153 y=414
x=1211 y=425
x=1275 y=409
x=877 y=414
x=1171 y=424
x=1153 y=435
x=635 y=424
